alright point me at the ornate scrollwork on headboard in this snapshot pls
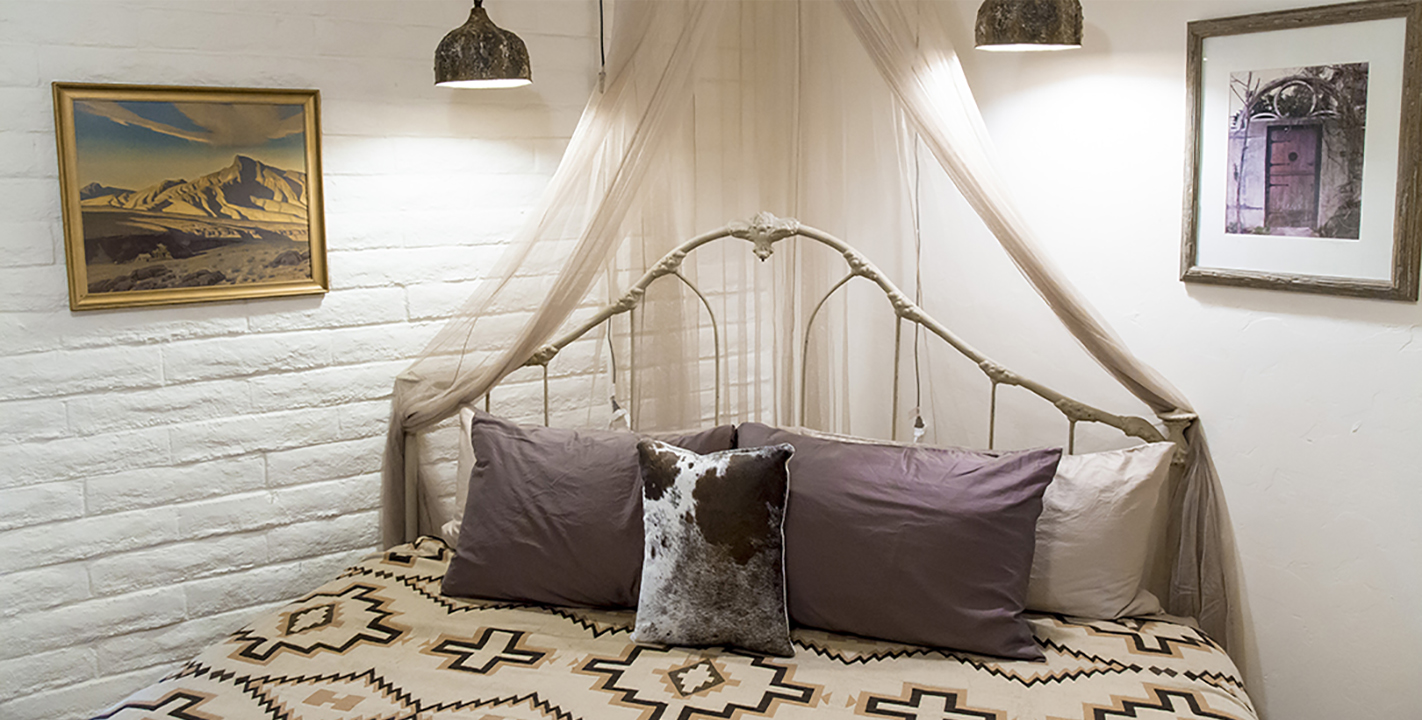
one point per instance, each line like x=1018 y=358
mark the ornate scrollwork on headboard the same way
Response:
x=764 y=230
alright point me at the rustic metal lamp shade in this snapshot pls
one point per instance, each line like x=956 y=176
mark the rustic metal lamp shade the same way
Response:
x=480 y=54
x=1026 y=25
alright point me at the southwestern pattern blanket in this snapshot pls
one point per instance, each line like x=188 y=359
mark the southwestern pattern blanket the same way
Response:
x=380 y=642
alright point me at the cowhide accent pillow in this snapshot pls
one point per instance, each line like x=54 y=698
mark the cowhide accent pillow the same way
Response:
x=713 y=570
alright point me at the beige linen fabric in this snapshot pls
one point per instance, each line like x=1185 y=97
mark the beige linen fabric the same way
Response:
x=717 y=109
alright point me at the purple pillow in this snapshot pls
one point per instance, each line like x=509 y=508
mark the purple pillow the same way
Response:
x=915 y=544
x=554 y=516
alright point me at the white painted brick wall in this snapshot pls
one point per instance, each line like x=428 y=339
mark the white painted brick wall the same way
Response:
x=164 y=486
x=167 y=473
x=46 y=670
x=43 y=588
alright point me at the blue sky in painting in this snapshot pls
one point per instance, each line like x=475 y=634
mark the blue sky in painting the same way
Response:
x=162 y=112
x=137 y=144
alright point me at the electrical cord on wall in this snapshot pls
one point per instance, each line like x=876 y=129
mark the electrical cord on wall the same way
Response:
x=601 y=49
x=919 y=427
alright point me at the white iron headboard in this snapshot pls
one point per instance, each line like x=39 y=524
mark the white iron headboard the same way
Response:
x=763 y=232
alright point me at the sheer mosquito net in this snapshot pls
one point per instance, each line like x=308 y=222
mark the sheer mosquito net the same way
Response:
x=712 y=111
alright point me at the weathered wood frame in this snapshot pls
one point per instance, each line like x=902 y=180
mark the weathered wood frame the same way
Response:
x=1407 y=223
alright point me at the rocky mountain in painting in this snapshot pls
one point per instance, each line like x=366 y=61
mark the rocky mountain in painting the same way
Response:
x=247 y=210
x=245 y=190
x=97 y=190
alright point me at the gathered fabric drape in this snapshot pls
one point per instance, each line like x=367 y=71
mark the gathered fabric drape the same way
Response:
x=550 y=267
x=913 y=54
x=714 y=110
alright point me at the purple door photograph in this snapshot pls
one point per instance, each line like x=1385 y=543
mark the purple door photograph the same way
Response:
x=1291 y=201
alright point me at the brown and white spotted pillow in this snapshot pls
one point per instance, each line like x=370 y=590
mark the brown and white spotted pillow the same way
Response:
x=713 y=570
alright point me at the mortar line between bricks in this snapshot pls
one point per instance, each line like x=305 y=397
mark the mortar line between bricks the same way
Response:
x=176 y=383
x=135 y=390
x=169 y=461
x=260 y=529
x=263 y=531
x=138 y=389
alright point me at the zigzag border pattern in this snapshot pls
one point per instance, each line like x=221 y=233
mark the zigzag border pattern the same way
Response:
x=1218 y=679
x=1101 y=665
x=535 y=702
x=253 y=688
x=414 y=583
x=1166 y=646
x=189 y=701
x=1129 y=708
x=861 y=659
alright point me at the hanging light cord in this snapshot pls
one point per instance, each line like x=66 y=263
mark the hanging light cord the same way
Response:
x=919 y=428
x=601 y=49
x=917 y=276
x=619 y=413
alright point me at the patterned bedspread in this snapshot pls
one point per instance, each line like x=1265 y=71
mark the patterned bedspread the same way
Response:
x=381 y=642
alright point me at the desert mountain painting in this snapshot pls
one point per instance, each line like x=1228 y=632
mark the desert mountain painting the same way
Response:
x=246 y=222
x=175 y=195
x=245 y=190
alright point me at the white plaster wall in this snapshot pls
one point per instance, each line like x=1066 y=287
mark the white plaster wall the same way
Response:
x=1311 y=403
x=166 y=474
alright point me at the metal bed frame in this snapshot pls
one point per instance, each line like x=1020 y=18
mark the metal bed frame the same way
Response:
x=763 y=232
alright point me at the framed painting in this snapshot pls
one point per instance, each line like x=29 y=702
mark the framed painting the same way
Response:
x=1304 y=134
x=182 y=195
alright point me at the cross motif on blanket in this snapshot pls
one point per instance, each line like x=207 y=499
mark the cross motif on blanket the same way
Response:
x=310 y=625
x=927 y=704
x=695 y=678
x=492 y=649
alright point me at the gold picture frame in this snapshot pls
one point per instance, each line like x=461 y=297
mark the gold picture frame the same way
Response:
x=186 y=194
x=1303 y=152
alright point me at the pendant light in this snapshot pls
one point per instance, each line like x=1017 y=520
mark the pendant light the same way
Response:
x=1028 y=25
x=480 y=54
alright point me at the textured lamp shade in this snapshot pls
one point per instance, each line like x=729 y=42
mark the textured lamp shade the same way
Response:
x=1025 y=25
x=480 y=54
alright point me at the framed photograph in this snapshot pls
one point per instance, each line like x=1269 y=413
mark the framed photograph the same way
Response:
x=182 y=195
x=1303 y=150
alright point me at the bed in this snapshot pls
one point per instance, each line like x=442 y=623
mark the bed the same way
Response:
x=381 y=641
x=547 y=602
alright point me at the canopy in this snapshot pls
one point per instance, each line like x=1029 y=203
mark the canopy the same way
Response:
x=714 y=110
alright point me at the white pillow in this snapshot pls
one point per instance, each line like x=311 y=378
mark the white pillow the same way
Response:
x=1094 y=534
x=450 y=531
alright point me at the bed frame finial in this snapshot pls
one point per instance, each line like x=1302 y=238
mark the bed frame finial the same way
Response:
x=764 y=230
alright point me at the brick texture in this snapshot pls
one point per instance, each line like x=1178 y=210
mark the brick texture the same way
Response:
x=166 y=473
